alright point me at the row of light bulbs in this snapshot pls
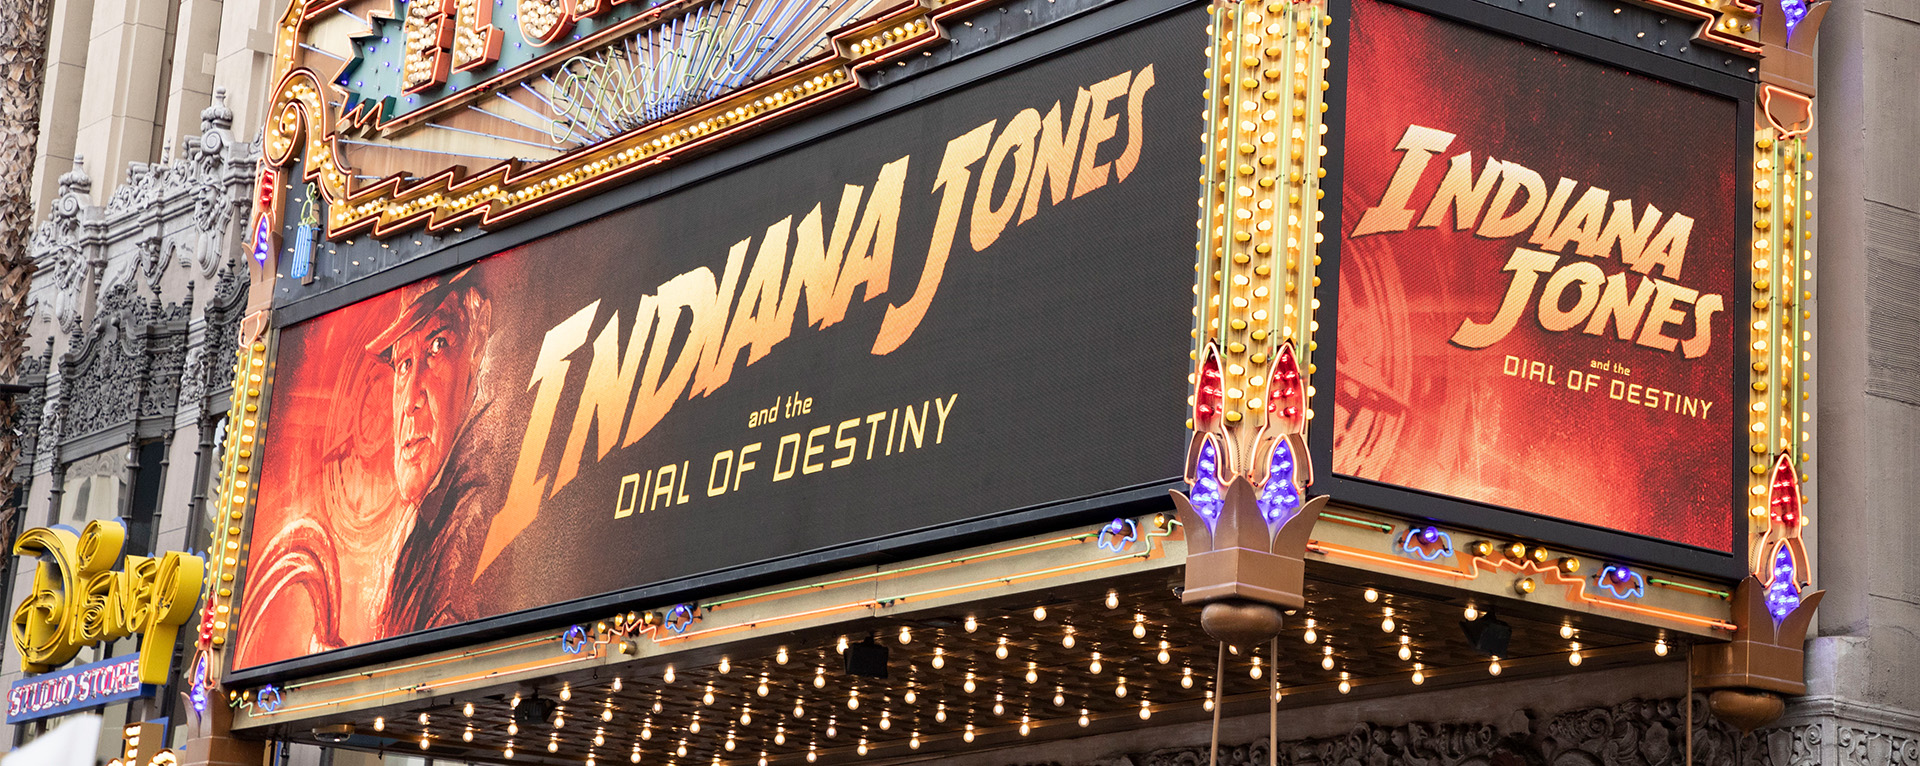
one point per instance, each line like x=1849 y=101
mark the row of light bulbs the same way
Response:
x=1256 y=670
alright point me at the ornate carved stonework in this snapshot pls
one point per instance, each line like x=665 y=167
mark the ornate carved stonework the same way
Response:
x=125 y=340
x=59 y=253
x=1633 y=733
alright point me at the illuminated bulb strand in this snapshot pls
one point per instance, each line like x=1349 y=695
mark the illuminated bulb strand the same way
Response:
x=1781 y=363
x=1259 y=208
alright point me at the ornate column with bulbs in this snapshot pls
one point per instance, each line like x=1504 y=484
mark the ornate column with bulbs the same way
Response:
x=1247 y=515
x=1750 y=676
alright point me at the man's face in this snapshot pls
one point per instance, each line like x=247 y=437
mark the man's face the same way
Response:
x=432 y=389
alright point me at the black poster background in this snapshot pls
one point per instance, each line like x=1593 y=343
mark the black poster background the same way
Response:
x=1066 y=342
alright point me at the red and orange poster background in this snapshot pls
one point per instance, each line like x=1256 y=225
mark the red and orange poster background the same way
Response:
x=1501 y=425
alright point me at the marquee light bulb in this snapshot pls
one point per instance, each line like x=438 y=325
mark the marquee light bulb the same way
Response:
x=913 y=743
x=694 y=725
x=940 y=714
x=616 y=684
x=841 y=645
x=1471 y=613
x=1310 y=636
x=681 y=749
x=1207 y=704
x=657 y=707
x=1026 y=726
x=1566 y=631
x=606 y=714
x=1139 y=626
x=1059 y=696
x=906 y=636
x=1032 y=672
x=726 y=666
x=707 y=698
x=853 y=700
x=780 y=735
x=1120 y=689
x=1084 y=720
x=423 y=742
x=968 y=735
x=512 y=728
x=1000 y=651
x=635 y=758
x=467 y=736
x=1164 y=657
x=819 y=678
x=969 y=685
x=1067 y=640
x=1113 y=599
x=832 y=730
x=1493 y=668
x=646 y=732
x=1419 y=674
x=566 y=693
x=812 y=756
x=380 y=723
x=424 y=718
x=886 y=720
x=1145 y=711
x=999 y=705
x=599 y=738
x=862 y=748
x=763 y=758
x=1386 y=624
x=508 y=753
x=972 y=624
x=762 y=689
x=1371 y=595
x=553 y=746
x=746 y=717
x=467 y=710
x=799 y=711
x=559 y=720
x=1660 y=647
x=781 y=656
x=669 y=674
x=1573 y=658
x=1406 y=652
x=1039 y=614
x=1186 y=678
x=911 y=697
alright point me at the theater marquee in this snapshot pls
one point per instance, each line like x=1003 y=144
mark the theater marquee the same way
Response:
x=889 y=331
x=1473 y=279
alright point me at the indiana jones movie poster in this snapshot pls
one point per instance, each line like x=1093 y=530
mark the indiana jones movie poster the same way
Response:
x=972 y=306
x=1537 y=266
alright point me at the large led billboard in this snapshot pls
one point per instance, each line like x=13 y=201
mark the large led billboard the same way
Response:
x=1537 y=269
x=974 y=305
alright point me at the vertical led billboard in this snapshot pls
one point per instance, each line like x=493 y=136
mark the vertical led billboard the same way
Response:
x=1536 y=275
x=970 y=306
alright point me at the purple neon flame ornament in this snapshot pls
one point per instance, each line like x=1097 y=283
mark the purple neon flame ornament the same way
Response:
x=1793 y=12
x=1782 y=596
x=1279 y=499
x=1207 y=497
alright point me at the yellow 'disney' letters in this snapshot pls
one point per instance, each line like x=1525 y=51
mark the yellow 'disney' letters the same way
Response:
x=79 y=599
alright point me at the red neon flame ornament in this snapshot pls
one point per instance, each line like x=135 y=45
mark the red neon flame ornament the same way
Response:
x=1784 y=501
x=1209 y=394
x=1286 y=397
